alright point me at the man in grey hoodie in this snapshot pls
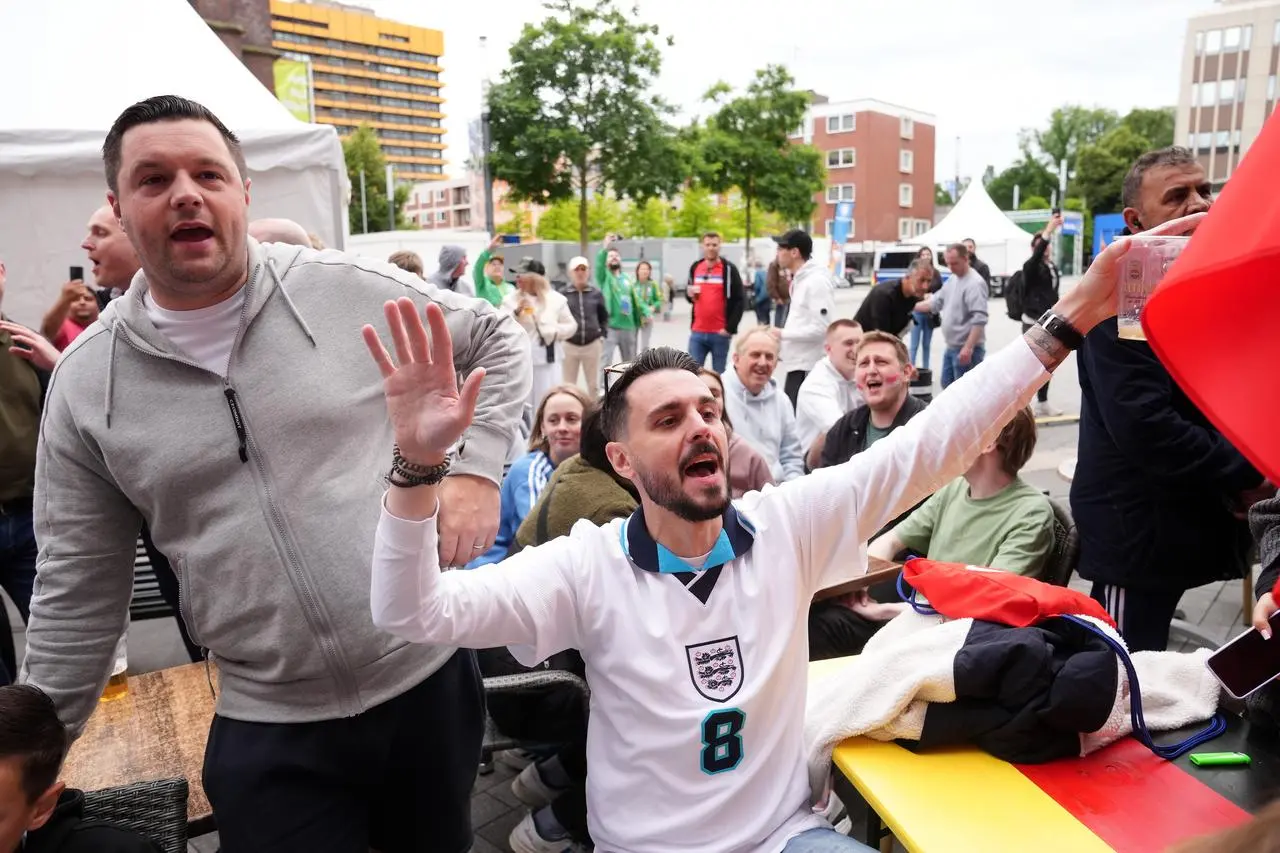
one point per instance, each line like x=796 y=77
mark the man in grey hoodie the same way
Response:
x=452 y=273
x=226 y=401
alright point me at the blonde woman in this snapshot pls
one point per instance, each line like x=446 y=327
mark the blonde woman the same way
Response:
x=544 y=314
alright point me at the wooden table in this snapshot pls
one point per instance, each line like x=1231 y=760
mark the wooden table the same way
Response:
x=157 y=731
x=1122 y=798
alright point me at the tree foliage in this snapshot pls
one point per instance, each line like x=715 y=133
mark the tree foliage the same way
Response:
x=1071 y=127
x=941 y=197
x=1103 y=165
x=1029 y=175
x=745 y=144
x=362 y=151
x=648 y=219
x=696 y=214
x=573 y=112
x=518 y=223
x=1033 y=202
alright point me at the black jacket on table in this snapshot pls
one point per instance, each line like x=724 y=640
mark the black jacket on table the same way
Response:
x=1155 y=482
x=68 y=832
x=588 y=308
x=848 y=436
x=735 y=296
x=1040 y=282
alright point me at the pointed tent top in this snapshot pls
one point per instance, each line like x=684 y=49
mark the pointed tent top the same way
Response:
x=976 y=216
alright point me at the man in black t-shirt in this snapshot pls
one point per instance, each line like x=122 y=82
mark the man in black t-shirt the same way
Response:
x=888 y=306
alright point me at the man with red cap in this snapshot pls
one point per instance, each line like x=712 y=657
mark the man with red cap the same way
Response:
x=1159 y=494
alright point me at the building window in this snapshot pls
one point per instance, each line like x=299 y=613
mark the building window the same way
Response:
x=831 y=227
x=906 y=161
x=907 y=128
x=1235 y=138
x=1231 y=40
x=841 y=192
x=1275 y=34
x=1226 y=91
x=1200 y=43
x=798 y=133
x=1213 y=42
x=1222 y=138
x=904 y=228
x=842 y=157
x=842 y=124
x=1208 y=94
x=442 y=216
x=1191 y=140
x=1203 y=140
x=922 y=225
x=440 y=195
x=1248 y=38
x=904 y=195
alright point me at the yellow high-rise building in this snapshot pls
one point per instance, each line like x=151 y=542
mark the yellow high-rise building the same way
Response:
x=368 y=70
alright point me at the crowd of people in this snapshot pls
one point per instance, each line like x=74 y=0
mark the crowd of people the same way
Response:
x=626 y=512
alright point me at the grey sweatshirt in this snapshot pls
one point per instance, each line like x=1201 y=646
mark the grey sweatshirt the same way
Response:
x=263 y=488
x=962 y=302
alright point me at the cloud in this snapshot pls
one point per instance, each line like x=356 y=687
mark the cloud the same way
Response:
x=985 y=68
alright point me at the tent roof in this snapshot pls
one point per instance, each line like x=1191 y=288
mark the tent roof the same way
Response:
x=76 y=64
x=975 y=215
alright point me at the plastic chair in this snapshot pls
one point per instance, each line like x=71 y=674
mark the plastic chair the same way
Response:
x=495 y=740
x=156 y=809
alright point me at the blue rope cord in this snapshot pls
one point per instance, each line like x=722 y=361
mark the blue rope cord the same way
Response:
x=1216 y=726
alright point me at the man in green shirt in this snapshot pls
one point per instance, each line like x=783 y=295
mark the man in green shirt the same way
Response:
x=486 y=273
x=627 y=310
x=988 y=517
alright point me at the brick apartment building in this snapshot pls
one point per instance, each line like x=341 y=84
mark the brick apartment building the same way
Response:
x=880 y=157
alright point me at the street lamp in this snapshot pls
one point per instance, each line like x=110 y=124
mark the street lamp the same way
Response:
x=484 y=136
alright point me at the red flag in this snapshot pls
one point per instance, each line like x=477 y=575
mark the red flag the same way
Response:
x=1214 y=321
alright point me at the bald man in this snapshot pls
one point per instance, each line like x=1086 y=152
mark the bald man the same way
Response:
x=279 y=231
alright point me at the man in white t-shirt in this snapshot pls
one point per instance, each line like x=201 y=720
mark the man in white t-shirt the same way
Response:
x=689 y=614
x=830 y=391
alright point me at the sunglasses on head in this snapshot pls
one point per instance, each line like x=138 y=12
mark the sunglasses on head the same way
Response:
x=613 y=373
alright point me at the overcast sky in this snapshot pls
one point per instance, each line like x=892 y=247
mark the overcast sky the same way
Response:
x=984 y=68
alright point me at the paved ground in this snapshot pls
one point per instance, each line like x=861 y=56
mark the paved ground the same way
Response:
x=1215 y=609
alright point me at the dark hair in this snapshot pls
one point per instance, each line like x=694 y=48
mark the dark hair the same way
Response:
x=1174 y=155
x=162 y=108
x=724 y=410
x=710 y=234
x=924 y=249
x=644 y=264
x=407 y=260
x=30 y=731
x=878 y=337
x=613 y=414
x=592 y=441
x=959 y=248
x=843 y=323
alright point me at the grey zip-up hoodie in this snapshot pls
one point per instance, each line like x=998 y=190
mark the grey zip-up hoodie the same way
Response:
x=262 y=487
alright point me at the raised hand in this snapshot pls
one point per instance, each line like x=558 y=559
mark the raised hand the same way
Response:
x=428 y=411
x=31 y=345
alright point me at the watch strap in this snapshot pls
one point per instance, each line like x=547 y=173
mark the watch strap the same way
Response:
x=1061 y=330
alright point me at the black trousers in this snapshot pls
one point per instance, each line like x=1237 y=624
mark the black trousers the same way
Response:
x=836 y=631
x=1043 y=394
x=795 y=379
x=167 y=581
x=552 y=715
x=1142 y=615
x=396 y=778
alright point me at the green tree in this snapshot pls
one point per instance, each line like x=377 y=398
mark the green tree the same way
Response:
x=518 y=223
x=362 y=152
x=559 y=221
x=604 y=216
x=1103 y=165
x=648 y=219
x=1156 y=126
x=1034 y=202
x=746 y=145
x=1071 y=127
x=941 y=197
x=573 y=113
x=696 y=214
x=1029 y=175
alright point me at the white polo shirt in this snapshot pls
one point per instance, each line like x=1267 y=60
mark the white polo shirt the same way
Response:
x=698 y=678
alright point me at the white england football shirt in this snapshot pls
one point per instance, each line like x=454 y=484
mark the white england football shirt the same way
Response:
x=698 y=679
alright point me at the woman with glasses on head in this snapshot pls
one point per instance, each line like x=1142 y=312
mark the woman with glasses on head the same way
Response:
x=922 y=323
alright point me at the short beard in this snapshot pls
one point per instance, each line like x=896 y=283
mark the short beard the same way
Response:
x=667 y=494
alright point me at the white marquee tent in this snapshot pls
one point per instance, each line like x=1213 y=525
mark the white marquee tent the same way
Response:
x=1001 y=244
x=70 y=67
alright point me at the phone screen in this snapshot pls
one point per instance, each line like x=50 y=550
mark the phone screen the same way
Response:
x=1249 y=661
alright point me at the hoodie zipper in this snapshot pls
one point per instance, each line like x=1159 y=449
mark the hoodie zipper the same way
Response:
x=238 y=420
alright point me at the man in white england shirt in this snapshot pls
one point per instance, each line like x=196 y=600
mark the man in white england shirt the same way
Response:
x=690 y=614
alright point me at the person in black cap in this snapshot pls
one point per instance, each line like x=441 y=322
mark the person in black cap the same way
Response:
x=812 y=308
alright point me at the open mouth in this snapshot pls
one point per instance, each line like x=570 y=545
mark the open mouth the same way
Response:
x=191 y=232
x=875 y=384
x=704 y=467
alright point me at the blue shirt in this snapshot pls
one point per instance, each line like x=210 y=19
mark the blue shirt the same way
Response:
x=525 y=480
x=762 y=292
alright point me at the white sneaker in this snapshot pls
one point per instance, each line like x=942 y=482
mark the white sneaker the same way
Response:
x=516 y=759
x=525 y=839
x=1044 y=410
x=531 y=790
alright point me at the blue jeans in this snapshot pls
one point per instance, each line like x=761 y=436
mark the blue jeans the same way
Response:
x=952 y=369
x=714 y=343
x=17 y=577
x=780 y=312
x=921 y=333
x=763 y=307
x=825 y=841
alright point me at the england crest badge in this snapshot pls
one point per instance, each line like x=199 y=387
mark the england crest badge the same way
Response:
x=716 y=668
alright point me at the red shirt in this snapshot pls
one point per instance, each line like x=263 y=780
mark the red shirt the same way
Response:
x=69 y=331
x=708 y=308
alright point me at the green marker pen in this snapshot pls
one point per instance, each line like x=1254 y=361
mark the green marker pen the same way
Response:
x=1219 y=759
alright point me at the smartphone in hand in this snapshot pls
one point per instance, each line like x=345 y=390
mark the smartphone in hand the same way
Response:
x=1249 y=661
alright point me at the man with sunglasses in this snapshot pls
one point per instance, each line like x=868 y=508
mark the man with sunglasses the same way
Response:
x=689 y=614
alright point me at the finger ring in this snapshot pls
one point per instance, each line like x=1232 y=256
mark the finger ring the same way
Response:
x=479 y=547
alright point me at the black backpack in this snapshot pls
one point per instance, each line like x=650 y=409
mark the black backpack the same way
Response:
x=1015 y=293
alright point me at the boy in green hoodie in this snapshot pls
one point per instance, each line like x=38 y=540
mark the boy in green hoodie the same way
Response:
x=487 y=274
x=627 y=310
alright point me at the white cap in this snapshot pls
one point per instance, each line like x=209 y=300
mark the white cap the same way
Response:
x=579 y=261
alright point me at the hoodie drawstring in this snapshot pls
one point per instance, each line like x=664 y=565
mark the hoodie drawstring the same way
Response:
x=293 y=309
x=111 y=372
